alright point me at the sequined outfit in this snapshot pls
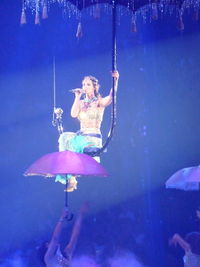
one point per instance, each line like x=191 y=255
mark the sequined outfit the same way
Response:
x=90 y=117
x=89 y=136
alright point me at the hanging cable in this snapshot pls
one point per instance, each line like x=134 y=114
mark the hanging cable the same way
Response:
x=114 y=85
x=57 y=112
x=54 y=93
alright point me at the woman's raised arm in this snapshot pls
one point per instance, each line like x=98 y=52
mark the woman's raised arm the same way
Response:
x=76 y=105
x=105 y=101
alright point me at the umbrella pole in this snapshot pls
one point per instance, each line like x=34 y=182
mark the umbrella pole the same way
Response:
x=66 y=194
x=114 y=63
x=114 y=68
x=70 y=215
x=114 y=85
x=114 y=47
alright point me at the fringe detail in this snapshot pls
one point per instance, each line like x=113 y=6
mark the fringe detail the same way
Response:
x=196 y=15
x=37 y=18
x=23 y=17
x=133 y=24
x=154 y=14
x=44 y=12
x=97 y=12
x=79 y=32
x=180 y=24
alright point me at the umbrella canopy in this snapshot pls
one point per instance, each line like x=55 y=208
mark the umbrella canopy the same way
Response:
x=133 y=5
x=185 y=179
x=65 y=162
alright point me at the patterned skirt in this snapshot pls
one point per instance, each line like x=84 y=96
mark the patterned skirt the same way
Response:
x=77 y=142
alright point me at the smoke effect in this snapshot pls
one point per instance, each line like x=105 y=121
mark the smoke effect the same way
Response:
x=85 y=261
x=122 y=258
x=125 y=258
x=15 y=260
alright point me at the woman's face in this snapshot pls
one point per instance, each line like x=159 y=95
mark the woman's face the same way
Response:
x=88 y=87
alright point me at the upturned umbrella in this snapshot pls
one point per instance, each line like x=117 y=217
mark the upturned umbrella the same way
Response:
x=185 y=179
x=63 y=163
x=66 y=162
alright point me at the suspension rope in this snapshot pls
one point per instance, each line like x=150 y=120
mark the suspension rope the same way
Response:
x=54 y=92
x=114 y=85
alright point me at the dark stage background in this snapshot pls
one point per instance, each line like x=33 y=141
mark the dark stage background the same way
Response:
x=157 y=131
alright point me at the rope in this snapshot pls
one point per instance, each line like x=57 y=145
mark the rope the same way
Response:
x=54 y=93
x=114 y=85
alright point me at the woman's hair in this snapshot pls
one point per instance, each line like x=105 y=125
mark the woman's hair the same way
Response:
x=95 y=83
x=193 y=239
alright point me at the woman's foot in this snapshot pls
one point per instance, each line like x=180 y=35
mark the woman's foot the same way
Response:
x=72 y=184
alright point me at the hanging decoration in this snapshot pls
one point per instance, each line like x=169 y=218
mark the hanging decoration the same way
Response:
x=79 y=32
x=148 y=9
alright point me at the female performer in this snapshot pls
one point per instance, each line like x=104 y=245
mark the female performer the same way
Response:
x=88 y=108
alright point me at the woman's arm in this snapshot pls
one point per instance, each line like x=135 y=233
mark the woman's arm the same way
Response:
x=177 y=239
x=76 y=230
x=53 y=245
x=105 y=101
x=76 y=105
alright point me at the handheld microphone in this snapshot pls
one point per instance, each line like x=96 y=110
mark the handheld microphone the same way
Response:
x=77 y=90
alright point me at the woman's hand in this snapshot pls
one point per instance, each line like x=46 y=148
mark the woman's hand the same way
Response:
x=178 y=240
x=174 y=240
x=78 y=92
x=58 y=111
x=115 y=74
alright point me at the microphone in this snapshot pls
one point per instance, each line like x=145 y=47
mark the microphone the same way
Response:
x=77 y=90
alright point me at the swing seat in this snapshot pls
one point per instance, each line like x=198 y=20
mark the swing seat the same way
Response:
x=90 y=151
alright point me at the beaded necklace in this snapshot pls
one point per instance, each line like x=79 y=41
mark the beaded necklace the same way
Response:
x=87 y=101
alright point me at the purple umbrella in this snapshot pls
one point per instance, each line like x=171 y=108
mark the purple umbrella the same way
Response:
x=66 y=162
x=185 y=179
